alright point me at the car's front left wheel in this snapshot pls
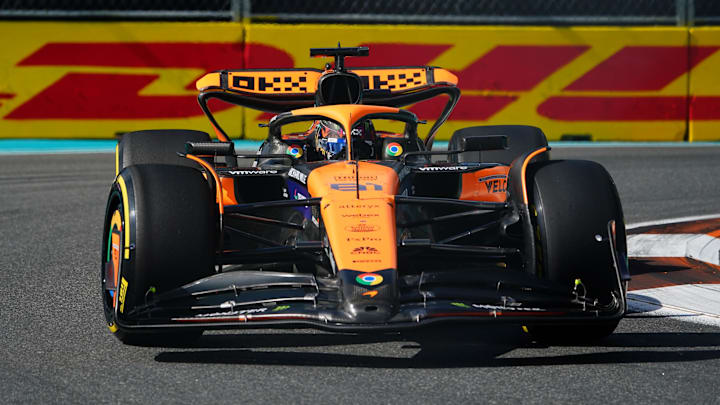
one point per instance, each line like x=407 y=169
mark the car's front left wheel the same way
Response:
x=159 y=234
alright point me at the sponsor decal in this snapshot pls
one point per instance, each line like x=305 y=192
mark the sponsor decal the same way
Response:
x=359 y=215
x=393 y=149
x=495 y=184
x=441 y=168
x=393 y=78
x=280 y=308
x=460 y=305
x=358 y=206
x=122 y=294
x=361 y=228
x=370 y=294
x=493 y=177
x=635 y=101
x=297 y=175
x=233 y=313
x=501 y=308
x=289 y=82
x=294 y=151
x=299 y=196
x=352 y=178
x=364 y=250
x=78 y=88
x=363 y=239
x=366 y=261
x=369 y=279
x=354 y=186
x=250 y=172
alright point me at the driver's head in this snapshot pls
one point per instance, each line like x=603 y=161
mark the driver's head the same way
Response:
x=331 y=142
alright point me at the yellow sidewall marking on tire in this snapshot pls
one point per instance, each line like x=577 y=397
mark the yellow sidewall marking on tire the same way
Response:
x=117 y=159
x=113 y=328
x=126 y=216
x=122 y=293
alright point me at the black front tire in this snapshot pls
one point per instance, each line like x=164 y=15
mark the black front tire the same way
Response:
x=172 y=239
x=157 y=146
x=572 y=202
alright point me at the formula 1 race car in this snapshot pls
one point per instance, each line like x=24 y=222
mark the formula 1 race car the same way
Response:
x=347 y=220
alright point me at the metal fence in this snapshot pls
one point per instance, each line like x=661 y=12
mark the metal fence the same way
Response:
x=704 y=12
x=514 y=12
x=123 y=9
x=471 y=11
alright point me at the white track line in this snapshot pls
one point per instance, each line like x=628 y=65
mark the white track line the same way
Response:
x=692 y=303
x=697 y=303
x=672 y=221
x=695 y=246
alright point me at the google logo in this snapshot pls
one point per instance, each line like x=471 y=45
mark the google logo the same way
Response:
x=369 y=279
x=294 y=151
x=393 y=149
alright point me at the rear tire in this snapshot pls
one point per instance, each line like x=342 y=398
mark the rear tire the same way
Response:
x=157 y=146
x=573 y=201
x=171 y=243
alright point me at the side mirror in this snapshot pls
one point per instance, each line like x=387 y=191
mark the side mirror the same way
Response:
x=484 y=142
x=210 y=148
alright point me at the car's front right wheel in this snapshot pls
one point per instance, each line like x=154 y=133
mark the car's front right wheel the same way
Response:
x=573 y=202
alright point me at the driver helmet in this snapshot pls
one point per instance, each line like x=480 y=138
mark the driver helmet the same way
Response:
x=331 y=142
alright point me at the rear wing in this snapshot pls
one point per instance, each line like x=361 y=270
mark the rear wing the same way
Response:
x=289 y=89
x=281 y=90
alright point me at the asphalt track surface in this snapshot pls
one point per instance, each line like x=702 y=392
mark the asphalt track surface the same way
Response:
x=55 y=348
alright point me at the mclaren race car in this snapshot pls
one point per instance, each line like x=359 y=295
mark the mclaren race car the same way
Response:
x=346 y=219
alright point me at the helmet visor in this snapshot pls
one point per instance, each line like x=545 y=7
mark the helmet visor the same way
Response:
x=333 y=147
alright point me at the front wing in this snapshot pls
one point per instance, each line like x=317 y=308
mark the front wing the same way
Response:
x=257 y=299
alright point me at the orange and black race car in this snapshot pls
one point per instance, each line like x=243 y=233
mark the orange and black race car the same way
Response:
x=345 y=219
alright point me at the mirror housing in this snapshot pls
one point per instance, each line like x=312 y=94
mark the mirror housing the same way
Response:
x=484 y=142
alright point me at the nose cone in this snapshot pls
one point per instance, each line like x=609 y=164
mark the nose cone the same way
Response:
x=358 y=212
x=369 y=297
